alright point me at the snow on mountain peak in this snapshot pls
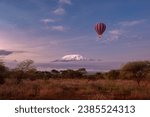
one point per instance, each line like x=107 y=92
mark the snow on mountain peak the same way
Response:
x=73 y=57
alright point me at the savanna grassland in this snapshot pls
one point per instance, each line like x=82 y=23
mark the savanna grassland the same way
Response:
x=75 y=89
x=131 y=81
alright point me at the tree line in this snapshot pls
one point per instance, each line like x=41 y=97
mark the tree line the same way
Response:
x=136 y=70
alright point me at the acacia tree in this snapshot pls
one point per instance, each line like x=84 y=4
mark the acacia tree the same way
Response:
x=25 y=69
x=55 y=73
x=82 y=70
x=135 y=70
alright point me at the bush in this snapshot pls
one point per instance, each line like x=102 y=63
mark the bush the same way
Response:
x=3 y=72
x=99 y=75
x=71 y=74
x=55 y=73
x=113 y=74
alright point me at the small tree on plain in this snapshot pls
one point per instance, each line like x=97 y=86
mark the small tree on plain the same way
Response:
x=82 y=70
x=25 y=69
x=55 y=73
x=135 y=70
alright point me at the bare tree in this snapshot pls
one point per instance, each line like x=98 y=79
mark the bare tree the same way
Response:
x=25 y=69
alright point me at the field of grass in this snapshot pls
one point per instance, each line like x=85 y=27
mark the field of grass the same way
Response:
x=75 y=89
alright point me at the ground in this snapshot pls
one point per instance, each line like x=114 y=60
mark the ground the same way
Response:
x=68 y=89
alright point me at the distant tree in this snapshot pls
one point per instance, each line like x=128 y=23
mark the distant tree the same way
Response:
x=66 y=73
x=99 y=75
x=82 y=70
x=92 y=77
x=71 y=74
x=44 y=75
x=113 y=74
x=25 y=69
x=135 y=70
x=55 y=73
x=3 y=72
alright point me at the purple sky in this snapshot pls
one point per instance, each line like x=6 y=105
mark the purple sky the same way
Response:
x=46 y=30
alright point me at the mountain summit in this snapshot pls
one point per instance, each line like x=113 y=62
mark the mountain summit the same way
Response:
x=73 y=57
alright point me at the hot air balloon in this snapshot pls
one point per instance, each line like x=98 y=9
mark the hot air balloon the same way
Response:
x=100 y=28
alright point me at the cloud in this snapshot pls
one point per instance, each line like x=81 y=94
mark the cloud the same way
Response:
x=48 y=20
x=57 y=28
x=115 y=32
x=5 y=52
x=59 y=11
x=68 y=2
x=121 y=31
x=113 y=35
x=131 y=23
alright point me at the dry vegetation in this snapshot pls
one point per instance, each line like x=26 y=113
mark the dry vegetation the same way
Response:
x=132 y=81
x=75 y=89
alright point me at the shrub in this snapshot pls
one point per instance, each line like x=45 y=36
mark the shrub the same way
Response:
x=99 y=75
x=71 y=74
x=55 y=73
x=113 y=74
x=3 y=72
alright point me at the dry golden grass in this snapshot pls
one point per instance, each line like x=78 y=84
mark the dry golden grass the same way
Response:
x=75 y=89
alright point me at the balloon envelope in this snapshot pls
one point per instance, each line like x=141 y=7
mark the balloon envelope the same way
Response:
x=100 y=28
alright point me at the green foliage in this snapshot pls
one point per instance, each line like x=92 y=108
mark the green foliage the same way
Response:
x=71 y=74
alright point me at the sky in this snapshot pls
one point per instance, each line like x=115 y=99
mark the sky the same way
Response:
x=47 y=30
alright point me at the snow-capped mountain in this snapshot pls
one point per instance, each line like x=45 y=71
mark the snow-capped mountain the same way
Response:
x=73 y=57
